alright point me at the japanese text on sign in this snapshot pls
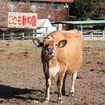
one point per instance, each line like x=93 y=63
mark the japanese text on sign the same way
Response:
x=22 y=20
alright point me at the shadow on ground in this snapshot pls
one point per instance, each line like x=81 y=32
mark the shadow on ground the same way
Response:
x=8 y=92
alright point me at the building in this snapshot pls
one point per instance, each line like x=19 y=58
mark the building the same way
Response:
x=54 y=10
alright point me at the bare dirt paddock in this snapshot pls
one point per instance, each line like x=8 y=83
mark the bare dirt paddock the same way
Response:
x=22 y=80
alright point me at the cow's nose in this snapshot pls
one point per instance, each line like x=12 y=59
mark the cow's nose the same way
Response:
x=50 y=50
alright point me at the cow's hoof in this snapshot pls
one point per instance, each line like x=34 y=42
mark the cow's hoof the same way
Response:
x=35 y=101
x=45 y=101
x=60 y=101
x=71 y=94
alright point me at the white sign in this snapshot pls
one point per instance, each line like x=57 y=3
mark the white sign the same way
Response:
x=22 y=20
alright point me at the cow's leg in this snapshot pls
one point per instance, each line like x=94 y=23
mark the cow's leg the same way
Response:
x=63 y=86
x=59 y=84
x=74 y=75
x=48 y=81
x=48 y=85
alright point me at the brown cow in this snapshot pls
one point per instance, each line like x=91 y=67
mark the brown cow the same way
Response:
x=62 y=54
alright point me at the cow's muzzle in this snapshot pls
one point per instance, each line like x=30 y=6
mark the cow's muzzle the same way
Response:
x=50 y=53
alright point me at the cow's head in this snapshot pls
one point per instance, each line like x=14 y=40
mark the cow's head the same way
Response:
x=49 y=45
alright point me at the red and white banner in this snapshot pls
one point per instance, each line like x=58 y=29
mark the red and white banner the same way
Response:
x=22 y=20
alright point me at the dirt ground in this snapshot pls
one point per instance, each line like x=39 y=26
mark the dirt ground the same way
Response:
x=22 y=81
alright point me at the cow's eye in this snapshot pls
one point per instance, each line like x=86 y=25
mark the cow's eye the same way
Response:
x=56 y=44
x=49 y=37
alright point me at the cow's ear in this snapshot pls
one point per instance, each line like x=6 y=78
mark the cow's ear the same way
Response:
x=37 y=42
x=62 y=43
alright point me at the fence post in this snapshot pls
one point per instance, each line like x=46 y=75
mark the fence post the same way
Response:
x=12 y=34
x=91 y=35
x=22 y=35
x=103 y=34
x=34 y=32
x=3 y=36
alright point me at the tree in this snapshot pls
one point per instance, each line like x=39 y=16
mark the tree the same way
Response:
x=83 y=9
x=3 y=12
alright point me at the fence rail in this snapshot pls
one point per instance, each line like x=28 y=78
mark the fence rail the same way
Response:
x=88 y=35
x=94 y=35
x=16 y=36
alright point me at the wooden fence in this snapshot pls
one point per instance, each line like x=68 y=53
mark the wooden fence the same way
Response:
x=88 y=35
x=94 y=35
x=16 y=36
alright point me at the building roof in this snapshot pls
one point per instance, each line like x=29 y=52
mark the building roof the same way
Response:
x=45 y=23
x=89 y=22
x=64 y=1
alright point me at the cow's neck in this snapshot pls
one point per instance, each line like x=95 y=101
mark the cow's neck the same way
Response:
x=53 y=62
